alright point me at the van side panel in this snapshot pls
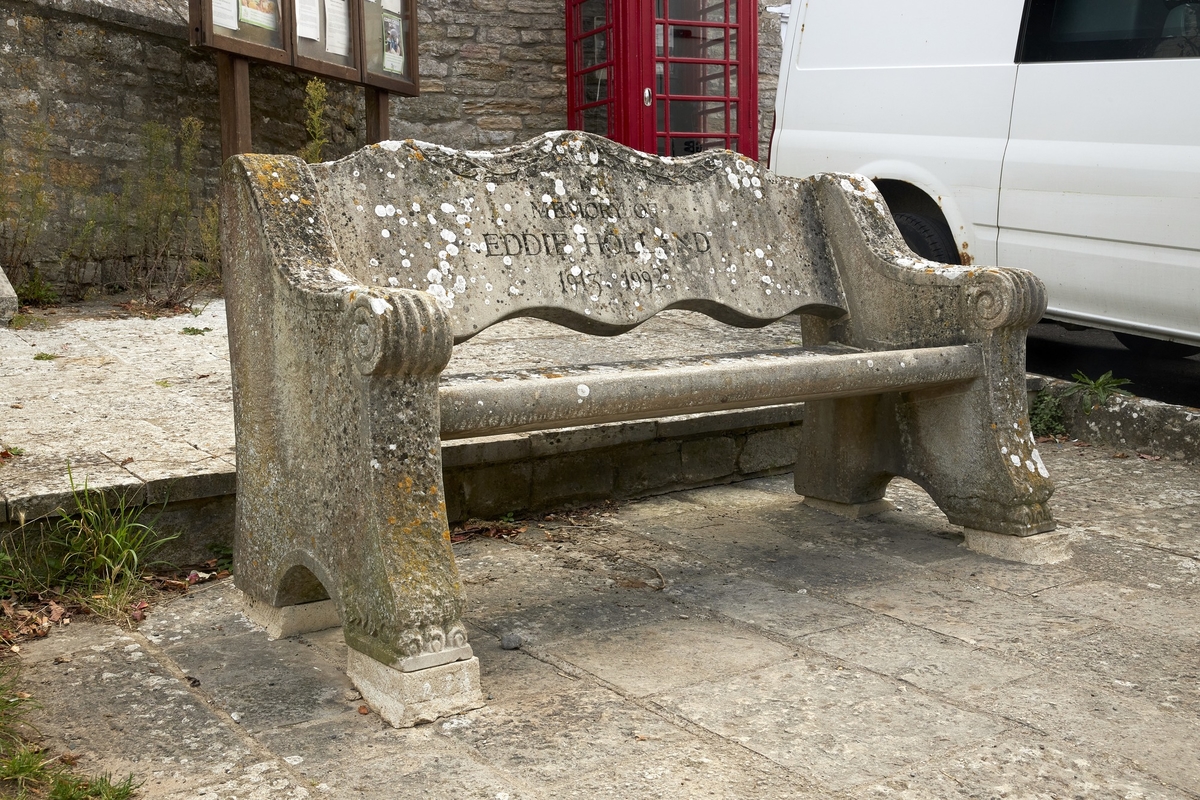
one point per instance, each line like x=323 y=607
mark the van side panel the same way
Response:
x=916 y=89
x=1101 y=194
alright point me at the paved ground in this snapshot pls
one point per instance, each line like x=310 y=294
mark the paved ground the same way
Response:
x=790 y=654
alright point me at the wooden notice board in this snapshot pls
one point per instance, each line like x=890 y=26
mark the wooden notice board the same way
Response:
x=369 y=42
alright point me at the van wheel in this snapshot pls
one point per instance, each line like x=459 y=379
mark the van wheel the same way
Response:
x=1155 y=348
x=927 y=237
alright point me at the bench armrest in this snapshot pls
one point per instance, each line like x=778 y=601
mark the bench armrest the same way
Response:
x=895 y=298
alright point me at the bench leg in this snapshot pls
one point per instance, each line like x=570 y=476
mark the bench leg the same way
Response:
x=972 y=451
x=340 y=496
x=844 y=463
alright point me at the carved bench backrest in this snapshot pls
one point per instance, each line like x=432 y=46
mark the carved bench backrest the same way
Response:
x=578 y=230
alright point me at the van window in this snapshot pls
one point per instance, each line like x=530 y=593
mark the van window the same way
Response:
x=1103 y=30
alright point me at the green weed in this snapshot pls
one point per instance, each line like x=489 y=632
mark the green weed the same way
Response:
x=1095 y=393
x=190 y=331
x=25 y=766
x=15 y=707
x=25 y=203
x=92 y=555
x=316 y=95
x=28 y=565
x=210 y=240
x=102 y=543
x=223 y=557
x=36 y=291
x=45 y=356
x=156 y=225
x=34 y=775
x=20 y=322
x=1046 y=416
x=69 y=787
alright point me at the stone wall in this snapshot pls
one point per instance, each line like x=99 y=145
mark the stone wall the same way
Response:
x=493 y=72
x=770 y=50
x=79 y=80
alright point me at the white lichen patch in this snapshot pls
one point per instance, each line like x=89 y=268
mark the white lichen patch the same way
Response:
x=1041 y=467
x=379 y=305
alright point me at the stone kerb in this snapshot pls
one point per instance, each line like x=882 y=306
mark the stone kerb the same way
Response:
x=575 y=229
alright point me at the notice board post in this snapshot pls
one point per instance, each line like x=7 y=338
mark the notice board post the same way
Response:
x=233 y=86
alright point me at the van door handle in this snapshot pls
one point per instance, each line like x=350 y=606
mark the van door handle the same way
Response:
x=647 y=98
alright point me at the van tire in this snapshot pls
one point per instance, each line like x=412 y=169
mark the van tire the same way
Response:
x=927 y=237
x=1155 y=348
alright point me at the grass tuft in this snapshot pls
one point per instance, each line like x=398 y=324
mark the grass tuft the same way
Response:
x=1095 y=393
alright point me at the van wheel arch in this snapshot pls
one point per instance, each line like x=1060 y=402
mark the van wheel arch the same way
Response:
x=920 y=221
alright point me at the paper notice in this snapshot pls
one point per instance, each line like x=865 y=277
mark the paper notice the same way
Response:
x=259 y=13
x=308 y=19
x=393 y=43
x=337 y=27
x=225 y=14
x=395 y=6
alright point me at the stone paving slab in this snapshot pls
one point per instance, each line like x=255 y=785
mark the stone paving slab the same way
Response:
x=922 y=670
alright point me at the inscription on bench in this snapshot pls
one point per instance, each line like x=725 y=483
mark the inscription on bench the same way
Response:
x=578 y=227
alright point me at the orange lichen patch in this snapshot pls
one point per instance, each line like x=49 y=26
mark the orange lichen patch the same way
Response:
x=391 y=520
x=405 y=484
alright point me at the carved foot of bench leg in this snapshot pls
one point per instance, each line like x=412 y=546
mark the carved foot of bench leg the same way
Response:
x=851 y=510
x=1040 y=548
x=284 y=621
x=403 y=699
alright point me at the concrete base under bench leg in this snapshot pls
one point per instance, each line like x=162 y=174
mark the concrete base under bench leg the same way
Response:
x=404 y=699
x=284 y=621
x=1040 y=548
x=850 y=510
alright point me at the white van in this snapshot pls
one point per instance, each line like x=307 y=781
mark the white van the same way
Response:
x=1062 y=136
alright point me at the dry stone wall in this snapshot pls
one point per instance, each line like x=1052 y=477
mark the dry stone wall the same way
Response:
x=80 y=79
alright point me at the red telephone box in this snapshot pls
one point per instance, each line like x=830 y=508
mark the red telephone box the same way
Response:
x=673 y=77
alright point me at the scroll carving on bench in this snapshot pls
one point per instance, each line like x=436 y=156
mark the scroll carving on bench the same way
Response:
x=349 y=283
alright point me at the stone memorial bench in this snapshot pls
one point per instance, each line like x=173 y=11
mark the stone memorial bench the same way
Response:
x=348 y=284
